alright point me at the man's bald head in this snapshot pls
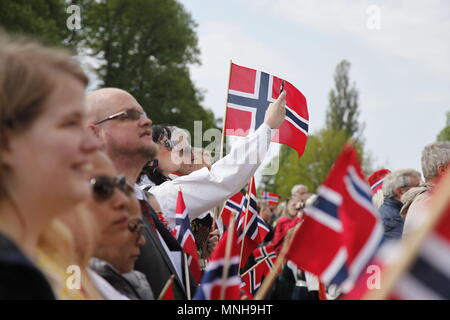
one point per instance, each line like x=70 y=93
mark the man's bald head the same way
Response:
x=104 y=102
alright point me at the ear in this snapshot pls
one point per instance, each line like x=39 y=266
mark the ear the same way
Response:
x=399 y=192
x=442 y=169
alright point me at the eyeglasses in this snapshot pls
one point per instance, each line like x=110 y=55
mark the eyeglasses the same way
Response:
x=131 y=114
x=103 y=186
x=136 y=225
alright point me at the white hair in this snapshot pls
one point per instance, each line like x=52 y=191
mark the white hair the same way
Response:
x=433 y=156
x=378 y=198
x=298 y=186
x=398 y=179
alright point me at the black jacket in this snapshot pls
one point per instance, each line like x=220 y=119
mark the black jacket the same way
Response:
x=19 y=278
x=154 y=261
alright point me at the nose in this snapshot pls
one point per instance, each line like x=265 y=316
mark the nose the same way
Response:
x=120 y=200
x=90 y=141
x=140 y=240
x=145 y=121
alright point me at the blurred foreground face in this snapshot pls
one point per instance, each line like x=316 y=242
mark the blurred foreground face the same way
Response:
x=111 y=213
x=50 y=160
x=119 y=219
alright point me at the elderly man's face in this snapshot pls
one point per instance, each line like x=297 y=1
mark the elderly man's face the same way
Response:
x=123 y=135
x=300 y=194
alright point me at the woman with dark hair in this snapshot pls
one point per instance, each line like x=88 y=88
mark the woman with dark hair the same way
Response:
x=45 y=152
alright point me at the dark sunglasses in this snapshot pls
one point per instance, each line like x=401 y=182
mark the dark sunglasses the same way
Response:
x=136 y=225
x=131 y=114
x=103 y=186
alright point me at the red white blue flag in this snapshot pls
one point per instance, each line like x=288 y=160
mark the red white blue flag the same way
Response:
x=231 y=208
x=251 y=228
x=183 y=233
x=265 y=258
x=212 y=282
x=342 y=230
x=270 y=197
x=249 y=95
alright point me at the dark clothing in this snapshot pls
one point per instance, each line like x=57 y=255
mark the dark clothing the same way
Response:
x=133 y=285
x=392 y=221
x=154 y=261
x=19 y=278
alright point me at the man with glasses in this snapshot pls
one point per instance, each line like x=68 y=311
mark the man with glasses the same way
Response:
x=128 y=141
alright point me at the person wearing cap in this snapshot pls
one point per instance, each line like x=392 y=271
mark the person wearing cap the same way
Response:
x=376 y=186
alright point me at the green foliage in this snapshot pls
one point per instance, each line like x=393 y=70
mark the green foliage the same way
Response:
x=146 y=46
x=343 y=108
x=444 y=135
x=324 y=147
x=44 y=19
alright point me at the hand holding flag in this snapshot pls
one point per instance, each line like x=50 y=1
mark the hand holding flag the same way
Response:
x=276 y=112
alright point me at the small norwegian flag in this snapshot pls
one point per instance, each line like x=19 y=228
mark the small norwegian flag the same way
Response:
x=251 y=229
x=342 y=230
x=249 y=95
x=270 y=197
x=212 y=282
x=265 y=258
x=232 y=207
x=183 y=233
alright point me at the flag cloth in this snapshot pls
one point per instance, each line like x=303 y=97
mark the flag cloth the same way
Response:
x=428 y=277
x=265 y=258
x=212 y=282
x=270 y=197
x=169 y=295
x=251 y=229
x=341 y=231
x=183 y=233
x=231 y=208
x=249 y=94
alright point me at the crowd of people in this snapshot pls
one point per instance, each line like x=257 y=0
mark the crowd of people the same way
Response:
x=89 y=187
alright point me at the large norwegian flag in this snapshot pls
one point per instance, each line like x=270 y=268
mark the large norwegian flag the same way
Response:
x=428 y=276
x=270 y=197
x=183 y=233
x=265 y=258
x=251 y=228
x=341 y=231
x=249 y=95
x=212 y=281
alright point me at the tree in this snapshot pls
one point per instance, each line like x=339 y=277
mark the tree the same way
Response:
x=444 y=135
x=44 y=19
x=144 y=46
x=324 y=147
x=147 y=46
x=343 y=109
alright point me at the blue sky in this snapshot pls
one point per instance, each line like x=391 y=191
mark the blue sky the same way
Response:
x=402 y=69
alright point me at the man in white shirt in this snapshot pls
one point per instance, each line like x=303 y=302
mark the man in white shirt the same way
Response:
x=120 y=122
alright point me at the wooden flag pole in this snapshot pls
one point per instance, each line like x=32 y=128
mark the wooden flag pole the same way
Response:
x=186 y=273
x=166 y=286
x=227 y=261
x=254 y=266
x=411 y=246
x=249 y=196
x=271 y=277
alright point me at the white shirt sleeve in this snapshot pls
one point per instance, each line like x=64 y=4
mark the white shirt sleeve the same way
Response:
x=204 y=189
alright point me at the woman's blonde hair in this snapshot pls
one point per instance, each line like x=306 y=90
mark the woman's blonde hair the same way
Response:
x=27 y=77
x=61 y=247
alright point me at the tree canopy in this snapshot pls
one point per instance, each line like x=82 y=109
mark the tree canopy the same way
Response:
x=144 y=47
